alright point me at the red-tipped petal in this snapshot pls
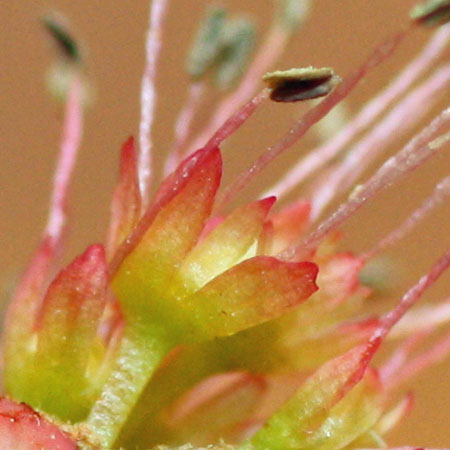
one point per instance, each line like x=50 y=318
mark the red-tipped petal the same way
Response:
x=225 y=245
x=289 y=225
x=145 y=276
x=339 y=276
x=66 y=328
x=257 y=290
x=320 y=403
x=18 y=333
x=169 y=189
x=77 y=293
x=21 y=428
x=126 y=201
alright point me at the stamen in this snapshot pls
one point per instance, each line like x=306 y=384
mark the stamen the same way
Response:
x=207 y=43
x=33 y=282
x=402 y=118
x=301 y=127
x=320 y=156
x=238 y=41
x=295 y=85
x=431 y=12
x=390 y=368
x=148 y=96
x=430 y=316
x=28 y=295
x=434 y=355
x=392 y=317
x=440 y=193
x=266 y=56
x=411 y=297
x=72 y=132
x=66 y=43
x=413 y=155
x=237 y=119
x=183 y=126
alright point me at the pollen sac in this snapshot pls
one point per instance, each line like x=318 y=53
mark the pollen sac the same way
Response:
x=207 y=44
x=238 y=41
x=431 y=13
x=64 y=41
x=295 y=85
x=293 y=13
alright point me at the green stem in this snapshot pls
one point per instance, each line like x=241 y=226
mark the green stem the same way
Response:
x=137 y=360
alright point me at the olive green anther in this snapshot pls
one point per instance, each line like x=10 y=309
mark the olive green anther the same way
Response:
x=207 y=43
x=431 y=13
x=239 y=37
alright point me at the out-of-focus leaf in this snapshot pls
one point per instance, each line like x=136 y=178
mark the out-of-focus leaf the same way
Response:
x=224 y=401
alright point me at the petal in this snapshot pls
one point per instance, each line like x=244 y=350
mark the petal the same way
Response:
x=256 y=290
x=154 y=320
x=126 y=201
x=66 y=330
x=24 y=429
x=143 y=280
x=307 y=411
x=289 y=224
x=225 y=245
x=338 y=277
x=18 y=333
x=355 y=414
x=168 y=190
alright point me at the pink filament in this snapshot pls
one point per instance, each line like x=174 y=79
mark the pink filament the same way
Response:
x=32 y=283
x=301 y=127
x=403 y=117
x=392 y=317
x=411 y=297
x=414 y=154
x=400 y=356
x=323 y=154
x=183 y=126
x=71 y=138
x=440 y=193
x=236 y=120
x=148 y=96
x=437 y=353
x=430 y=316
x=267 y=55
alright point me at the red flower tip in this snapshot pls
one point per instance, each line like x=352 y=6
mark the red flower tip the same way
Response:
x=25 y=429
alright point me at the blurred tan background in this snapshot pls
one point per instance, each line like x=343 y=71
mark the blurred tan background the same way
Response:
x=340 y=34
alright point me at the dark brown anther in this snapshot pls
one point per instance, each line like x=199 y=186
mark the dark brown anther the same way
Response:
x=65 y=42
x=296 y=85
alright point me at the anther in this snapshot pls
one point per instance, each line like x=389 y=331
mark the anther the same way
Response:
x=295 y=85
